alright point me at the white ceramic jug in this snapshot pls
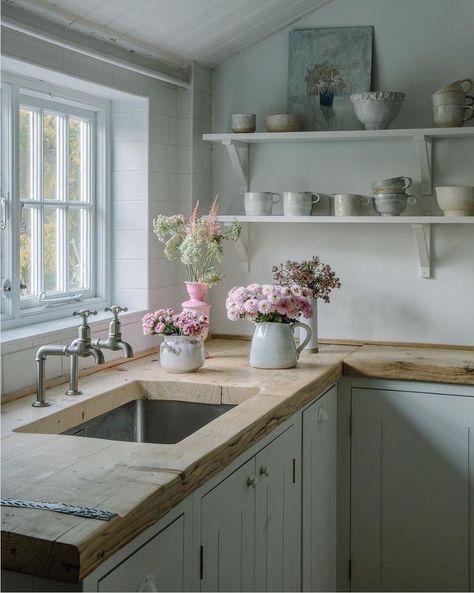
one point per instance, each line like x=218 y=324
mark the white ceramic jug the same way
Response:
x=273 y=345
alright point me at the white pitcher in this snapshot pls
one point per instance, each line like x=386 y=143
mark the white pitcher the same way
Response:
x=273 y=345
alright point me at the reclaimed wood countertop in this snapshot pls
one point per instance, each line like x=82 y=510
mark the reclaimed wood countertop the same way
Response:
x=141 y=482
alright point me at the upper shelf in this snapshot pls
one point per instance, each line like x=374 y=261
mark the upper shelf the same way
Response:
x=237 y=145
x=345 y=135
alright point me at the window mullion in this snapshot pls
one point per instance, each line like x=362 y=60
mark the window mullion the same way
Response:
x=38 y=217
x=62 y=238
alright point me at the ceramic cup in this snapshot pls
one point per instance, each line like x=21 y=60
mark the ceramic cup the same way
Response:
x=392 y=186
x=243 y=122
x=392 y=204
x=260 y=203
x=452 y=115
x=451 y=98
x=349 y=204
x=460 y=86
x=299 y=203
x=456 y=200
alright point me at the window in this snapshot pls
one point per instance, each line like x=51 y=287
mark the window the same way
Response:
x=52 y=205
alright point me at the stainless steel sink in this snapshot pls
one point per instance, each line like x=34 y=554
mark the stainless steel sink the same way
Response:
x=150 y=421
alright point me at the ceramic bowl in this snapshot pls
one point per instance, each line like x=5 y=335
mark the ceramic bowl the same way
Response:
x=378 y=109
x=456 y=200
x=392 y=204
x=283 y=122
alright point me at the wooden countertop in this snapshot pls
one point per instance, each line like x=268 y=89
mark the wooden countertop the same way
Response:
x=141 y=482
x=438 y=365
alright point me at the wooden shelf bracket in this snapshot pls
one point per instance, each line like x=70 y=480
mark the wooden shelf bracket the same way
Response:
x=424 y=151
x=422 y=234
x=239 y=157
x=241 y=246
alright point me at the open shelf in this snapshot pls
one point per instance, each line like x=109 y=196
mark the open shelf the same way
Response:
x=353 y=219
x=421 y=227
x=237 y=145
x=344 y=135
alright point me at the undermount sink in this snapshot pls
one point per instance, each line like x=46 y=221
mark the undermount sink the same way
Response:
x=150 y=421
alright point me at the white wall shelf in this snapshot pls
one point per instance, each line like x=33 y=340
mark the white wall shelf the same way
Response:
x=237 y=145
x=421 y=226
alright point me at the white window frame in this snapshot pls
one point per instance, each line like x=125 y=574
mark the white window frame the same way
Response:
x=13 y=314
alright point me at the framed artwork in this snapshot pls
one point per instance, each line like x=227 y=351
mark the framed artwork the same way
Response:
x=324 y=67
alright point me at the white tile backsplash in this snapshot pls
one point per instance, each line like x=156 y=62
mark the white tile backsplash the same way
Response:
x=129 y=185
x=130 y=215
x=159 y=186
x=130 y=127
x=130 y=244
x=163 y=158
x=159 y=128
x=131 y=273
x=130 y=156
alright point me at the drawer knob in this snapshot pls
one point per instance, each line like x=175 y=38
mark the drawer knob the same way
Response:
x=264 y=470
x=322 y=415
x=251 y=482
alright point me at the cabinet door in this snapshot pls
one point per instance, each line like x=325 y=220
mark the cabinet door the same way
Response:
x=227 y=533
x=319 y=493
x=278 y=514
x=156 y=566
x=411 y=498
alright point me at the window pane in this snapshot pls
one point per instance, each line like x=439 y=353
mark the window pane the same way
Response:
x=51 y=250
x=77 y=261
x=26 y=252
x=78 y=160
x=26 y=153
x=51 y=156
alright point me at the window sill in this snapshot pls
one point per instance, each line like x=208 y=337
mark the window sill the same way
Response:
x=21 y=338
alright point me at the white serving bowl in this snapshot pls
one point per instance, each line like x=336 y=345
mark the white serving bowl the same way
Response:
x=283 y=122
x=456 y=200
x=378 y=109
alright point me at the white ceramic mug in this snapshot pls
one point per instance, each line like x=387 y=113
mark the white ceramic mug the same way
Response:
x=349 y=204
x=299 y=203
x=392 y=185
x=260 y=203
x=452 y=115
x=458 y=86
x=243 y=122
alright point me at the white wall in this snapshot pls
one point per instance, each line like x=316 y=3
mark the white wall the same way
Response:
x=419 y=46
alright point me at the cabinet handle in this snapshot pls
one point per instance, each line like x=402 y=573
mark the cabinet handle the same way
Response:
x=251 y=482
x=264 y=470
x=322 y=415
x=147 y=584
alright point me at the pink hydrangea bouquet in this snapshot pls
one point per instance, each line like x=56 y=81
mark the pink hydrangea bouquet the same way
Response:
x=267 y=302
x=165 y=322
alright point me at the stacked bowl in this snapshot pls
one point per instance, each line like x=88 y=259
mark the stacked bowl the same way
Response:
x=389 y=196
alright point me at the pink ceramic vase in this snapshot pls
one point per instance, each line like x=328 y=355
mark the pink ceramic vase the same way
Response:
x=197 y=291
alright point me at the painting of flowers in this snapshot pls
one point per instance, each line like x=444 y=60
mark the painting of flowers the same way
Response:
x=324 y=67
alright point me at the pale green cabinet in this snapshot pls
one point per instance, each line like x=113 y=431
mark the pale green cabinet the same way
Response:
x=319 y=493
x=251 y=522
x=412 y=493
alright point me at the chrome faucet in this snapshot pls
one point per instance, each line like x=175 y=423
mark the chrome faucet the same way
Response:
x=82 y=346
x=114 y=339
x=114 y=342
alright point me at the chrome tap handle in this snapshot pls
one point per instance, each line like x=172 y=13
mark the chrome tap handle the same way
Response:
x=116 y=309
x=84 y=313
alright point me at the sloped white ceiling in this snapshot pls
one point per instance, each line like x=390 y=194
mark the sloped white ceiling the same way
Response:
x=208 y=31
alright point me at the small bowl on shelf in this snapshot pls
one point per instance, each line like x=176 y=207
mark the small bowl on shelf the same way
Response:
x=456 y=200
x=283 y=122
x=243 y=123
x=376 y=110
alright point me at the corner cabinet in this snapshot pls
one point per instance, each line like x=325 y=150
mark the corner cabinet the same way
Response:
x=412 y=491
